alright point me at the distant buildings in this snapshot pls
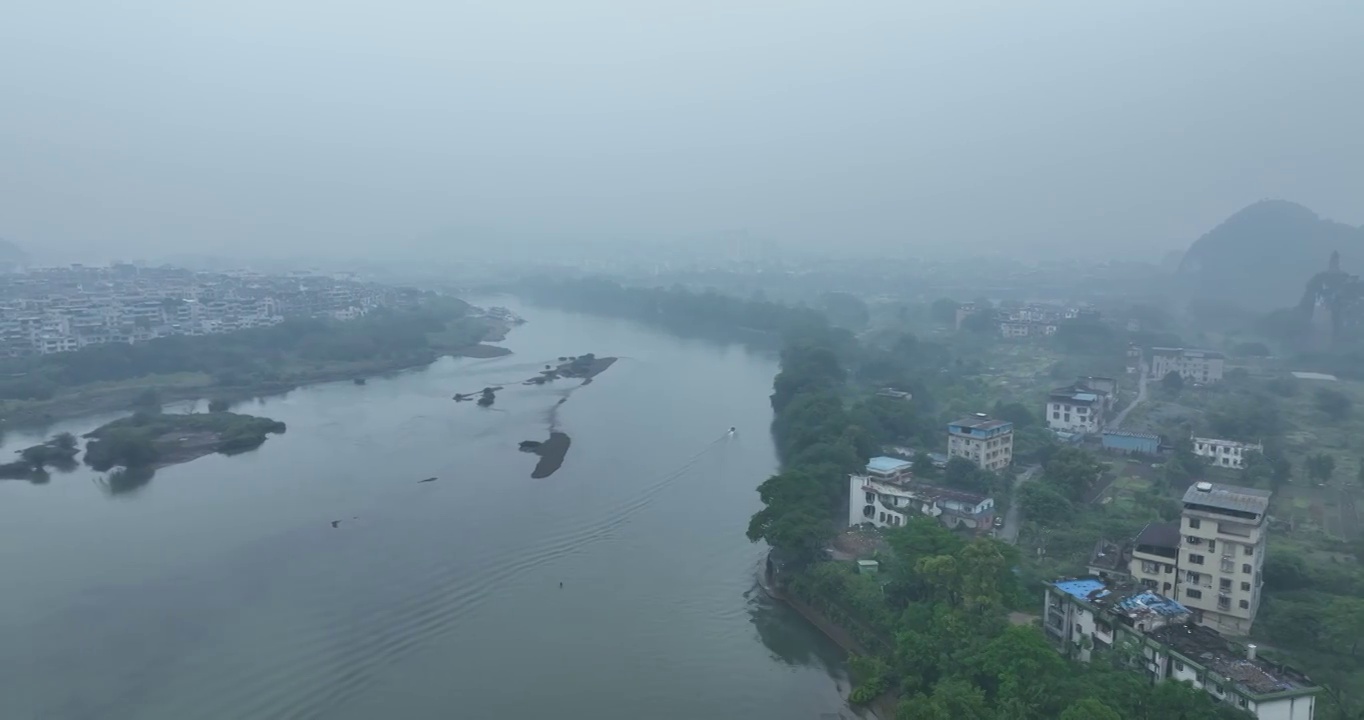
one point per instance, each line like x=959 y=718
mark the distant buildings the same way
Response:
x=886 y=495
x=987 y=443
x=54 y=310
x=1225 y=453
x=1200 y=366
x=1086 y=617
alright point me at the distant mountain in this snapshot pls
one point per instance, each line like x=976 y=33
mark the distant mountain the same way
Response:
x=11 y=256
x=1260 y=257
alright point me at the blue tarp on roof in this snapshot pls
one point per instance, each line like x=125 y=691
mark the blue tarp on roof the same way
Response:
x=1155 y=603
x=1081 y=588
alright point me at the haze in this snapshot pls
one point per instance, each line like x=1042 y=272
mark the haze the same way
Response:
x=266 y=129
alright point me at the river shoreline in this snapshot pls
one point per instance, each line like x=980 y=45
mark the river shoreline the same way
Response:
x=96 y=400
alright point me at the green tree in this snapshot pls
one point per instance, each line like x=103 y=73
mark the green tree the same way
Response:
x=1043 y=505
x=1173 y=382
x=1072 y=472
x=217 y=405
x=1321 y=466
x=1090 y=709
x=944 y=311
x=1334 y=403
x=953 y=699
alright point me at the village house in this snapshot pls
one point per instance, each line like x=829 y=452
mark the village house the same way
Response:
x=1085 y=617
x=1225 y=453
x=1199 y=366
x=886 y=495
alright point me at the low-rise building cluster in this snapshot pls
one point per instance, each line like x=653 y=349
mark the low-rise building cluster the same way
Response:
x=53 y=310
x=887 y=495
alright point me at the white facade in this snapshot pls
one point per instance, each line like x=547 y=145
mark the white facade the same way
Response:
x=1078 y=413
x=1222 y=555
x=1225 y=453
x=886 y=496
x=1200 y=366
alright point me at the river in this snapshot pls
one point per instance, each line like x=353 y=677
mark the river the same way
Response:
x=220 y=589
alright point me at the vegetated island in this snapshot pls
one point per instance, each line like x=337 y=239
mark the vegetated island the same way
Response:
x=155 y=439
x=33 y=463
x=248 y=363
x=585 y=367
x=551 y=452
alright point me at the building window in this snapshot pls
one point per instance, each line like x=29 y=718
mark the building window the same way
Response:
x=871 y=497
x=1212 y=546
x=1245 y=587
x=1191 y=593
x=1250 y=550
x=1223 y=602
x=1149 y=567
x=1179 y=666
x=1194 y=578
x=1247 y=569
x=1225 y=583
x=1194 y=523
x=1195 y=558
x=1245 y=604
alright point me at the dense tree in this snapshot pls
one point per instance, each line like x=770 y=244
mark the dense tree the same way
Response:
x=1072 y=472
x=1173 y=382
x=1321 y=466
x=944 y=311
x=1333 y=403
x=218 y=405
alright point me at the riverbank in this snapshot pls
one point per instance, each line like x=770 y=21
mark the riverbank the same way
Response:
x=97 y=398
x=881 y=707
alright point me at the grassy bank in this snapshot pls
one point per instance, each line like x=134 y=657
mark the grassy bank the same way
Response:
x=249 y=363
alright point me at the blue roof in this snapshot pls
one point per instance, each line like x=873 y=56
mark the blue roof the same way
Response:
x=887 y=464
x=1155 y=603
x=1081 y=588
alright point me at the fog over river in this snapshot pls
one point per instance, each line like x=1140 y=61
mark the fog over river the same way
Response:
x=220 y=590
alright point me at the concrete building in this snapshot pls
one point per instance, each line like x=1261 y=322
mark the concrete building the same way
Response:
x=1225 y=453
x=885 y=495
x=1076 y=409
x=1087 y=617
x=1131 y=443
x=987 y=443
x=1200 y=366
x=1154 y=558
x=1221 y=554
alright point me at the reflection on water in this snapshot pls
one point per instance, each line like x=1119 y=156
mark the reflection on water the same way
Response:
x=222 y=591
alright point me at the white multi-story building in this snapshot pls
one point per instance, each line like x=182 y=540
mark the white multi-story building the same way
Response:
x=1087 y=616
x=987 y=443
x=887 y=496
x=1076 y=409
x=1221 y=554
x=1200 y=366
x=1225 y=453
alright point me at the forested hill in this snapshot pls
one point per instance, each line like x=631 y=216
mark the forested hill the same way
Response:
x=1260 y=257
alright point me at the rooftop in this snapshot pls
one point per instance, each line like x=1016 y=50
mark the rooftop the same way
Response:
x=1164 y=535
x=981 y=422
x=1228 y=443
x=1187 y=352
x=1228 y=497
x=1212 y=651
x=888 y=465
x=1132 y=434
x=1127 y=598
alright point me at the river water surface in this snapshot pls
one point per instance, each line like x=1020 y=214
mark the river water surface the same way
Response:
x=220 y=589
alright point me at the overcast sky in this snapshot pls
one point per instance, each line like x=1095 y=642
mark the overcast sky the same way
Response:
x=275 y=127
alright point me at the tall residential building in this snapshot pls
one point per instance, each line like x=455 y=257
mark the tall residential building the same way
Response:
x=987 y=443
x=1221 y=554
x=1200 y=366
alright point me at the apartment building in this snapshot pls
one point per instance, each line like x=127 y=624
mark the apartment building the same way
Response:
x=1087 y=617
x=1154 y=558
x=1200 y=366
x=1225 y=453
x=1221 y=554
x=986 y=442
